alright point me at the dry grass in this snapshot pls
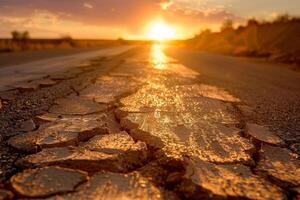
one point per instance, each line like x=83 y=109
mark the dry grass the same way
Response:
x=9 y=45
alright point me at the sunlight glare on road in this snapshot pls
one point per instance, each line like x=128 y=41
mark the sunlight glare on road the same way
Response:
x=158 y=58
x=161 y=31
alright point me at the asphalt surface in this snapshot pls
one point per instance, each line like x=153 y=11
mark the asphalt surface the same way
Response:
x=144 y=125
x=12 y=76
x=269 y=92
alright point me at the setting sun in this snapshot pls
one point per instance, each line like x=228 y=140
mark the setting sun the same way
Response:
x=161 y=31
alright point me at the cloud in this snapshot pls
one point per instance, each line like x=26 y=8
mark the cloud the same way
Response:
x=166 y=5
x=42 y=23
x=87 y=5
x=128 y=18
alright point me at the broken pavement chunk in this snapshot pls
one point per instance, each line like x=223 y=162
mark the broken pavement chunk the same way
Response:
x=179 y=119
x=207 y=91
x=100 y=94
x=229 y=181
x=27 y=86
x=113 y=143
x=280 y=163
x=27 y=125
x=111 y=186
x=108 y=119
x=188 y=133
x=63 y=132
x=158 y=97
x=44 y=82
x=46 y=181
x=76 y=106
x=107 y=89
x=113 y=152
x=263 y=134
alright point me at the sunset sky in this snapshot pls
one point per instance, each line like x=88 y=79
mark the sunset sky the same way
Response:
x=130 y=18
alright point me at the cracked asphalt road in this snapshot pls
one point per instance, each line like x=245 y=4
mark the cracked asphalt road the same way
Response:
x=142 y=125
x=269 y=93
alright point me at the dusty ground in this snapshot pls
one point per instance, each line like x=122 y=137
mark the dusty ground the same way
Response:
x=139 y=126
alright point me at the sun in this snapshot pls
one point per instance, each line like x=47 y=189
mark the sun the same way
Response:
x=160 y=31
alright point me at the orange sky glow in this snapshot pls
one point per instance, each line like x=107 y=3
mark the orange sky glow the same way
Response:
x=132 y=19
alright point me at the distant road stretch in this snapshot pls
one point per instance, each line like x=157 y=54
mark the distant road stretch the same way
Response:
x=45 y=63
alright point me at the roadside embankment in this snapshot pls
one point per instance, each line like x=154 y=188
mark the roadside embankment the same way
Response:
x=278 y=41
